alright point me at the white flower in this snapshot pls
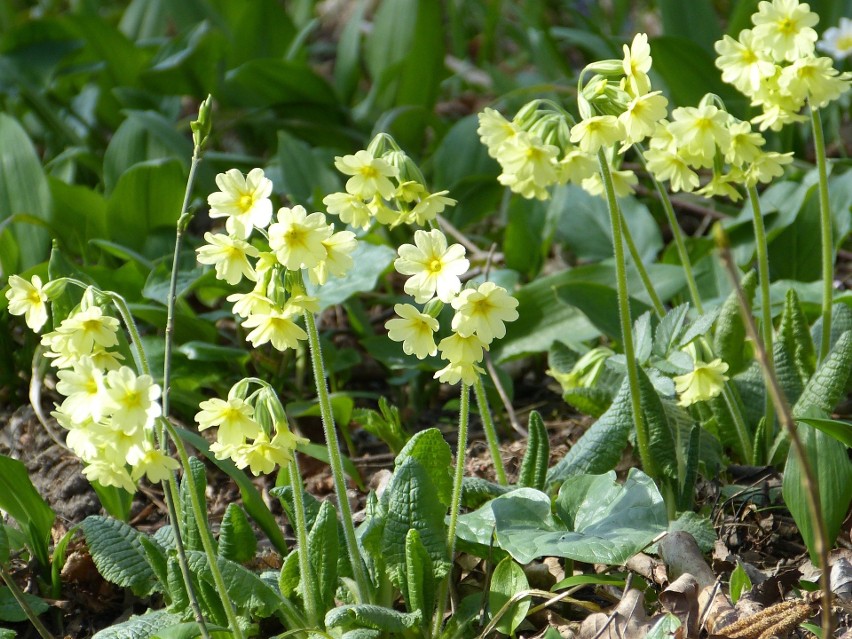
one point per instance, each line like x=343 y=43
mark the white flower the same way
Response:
x=837 y=41
x=434 y=267
x=243 y=200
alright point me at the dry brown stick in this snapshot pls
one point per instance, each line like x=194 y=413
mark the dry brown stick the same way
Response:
x=785 y=416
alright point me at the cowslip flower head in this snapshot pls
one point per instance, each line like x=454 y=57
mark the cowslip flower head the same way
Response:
x=154 y=464
x=667 y=164
x=766 y=167
x=529 y=165
x=263 y=455
x=785 y=27
x=495 y=130
x=744 y=62
x=229 y=256
x=351 y=209
x=745 y=144
x=338 y=257
x=453 y=373
x=234 y=417
x=597 y=131
x=837 y=41
x=85 y=391
x=28 y=299
x=428 y=208
x=107 y=474
x=484 y=311
x=297 y=238
x=698 y=130
x=434 y=267
x=370 y=175
x=640 y=117
x=457 y=349
x=704 y=382
x=244 y=201
x=636 y=64
x=414 y=329
x=813 y=79
x=133 y=399
x=85 y=330
x=277 y=327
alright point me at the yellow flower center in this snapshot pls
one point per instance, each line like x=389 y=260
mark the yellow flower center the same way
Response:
x=295 y=236
x=246 y=202
x=787 y=26
x=33 y=297
x=844 y=43
x=132 y=399
x=369 y=172
x=435 y=266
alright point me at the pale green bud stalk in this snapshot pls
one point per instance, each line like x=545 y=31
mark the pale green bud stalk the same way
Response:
x=55 y=288
x=382 y=143
x=202 y=126
x=433 y=308
x=240 y=389
x=527 y=115
x=606 y=67
x=408 y=169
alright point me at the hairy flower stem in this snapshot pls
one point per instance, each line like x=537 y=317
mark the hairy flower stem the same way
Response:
x=301 y=526
x=455 y=505
x=204 y=531
x=825 y=234
x=785 y=416
x=490 y=432
x=642 y=435
x=659 y=309
x=18 y=594
x=335 y=460
x=766 y=316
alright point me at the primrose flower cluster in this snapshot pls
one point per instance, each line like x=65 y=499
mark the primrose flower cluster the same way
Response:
x=384 y=186
x=108 y=410
x=776 y=66
x=434 y=271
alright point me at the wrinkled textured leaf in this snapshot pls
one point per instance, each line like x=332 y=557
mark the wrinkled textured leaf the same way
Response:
x=533 y=472
x=431 y=450
x=794 y=333
x=141 y=627
x=245 y=589
x=236 y=539
x=828 y=383
x=118 y=554
x=323 y=550
x=419 y=586
x=369 y=616
x=730 y=332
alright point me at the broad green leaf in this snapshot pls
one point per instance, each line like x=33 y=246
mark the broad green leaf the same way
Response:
x=157 y=558
x=369 y=616
x=10 y=609
x=668 y=330
x=729 y=337
x=841 y=321
x=20 y=499
x=665 y=628
x=740 y=582
x=144 y=19
x=290 y=575
x=661 y=432
x=611 y=522
x=188 y=64
x=476 y=491
x=347 y=61
x=303 y=175
x=795 y=253
x=371 y=260
x=236 y=539
x=23 y=189
x=189 y=630
x=589 y=579
x=323 y=552
x=419 y=586
x=432 y=452
x=533 y=472
x=245 y=589
x=147 y=196
x=600 y=304
x=696 y=20
x=246 y=20
x=141 y=627
x=79 y=215
x=507 y=580
x=264 y=83
x=525 y=241
x=157 y=285
x=841 y=431
x=599 y=449
x=252 y=501
x=829 y=462
x=827 y=385
x=461 y=155
x=118 y=554
x=413 y=502
x=589 y=401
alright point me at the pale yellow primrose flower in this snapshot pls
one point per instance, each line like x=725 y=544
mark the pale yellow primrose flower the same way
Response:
x=766 y=167
x=28 y=299
x=457 y=349
x=597 y=131
x=704 y=382
x=276 y=327
x=154 y=464
x=483 y=311
x=466 y=372
x=263 y=455
x=814 y=79
x=698 y=130
x=641 y=116
x=107 y=474
x=351 y=209
x=133 y=399
x=785 y=28
x=667 y=164
x=229 y=255
x=297 y=238
x=243 y=200
x=338 y=258
x=636 y=64
x=233 y=416
x=576 y=166
x=250 y=303
x=370 y=175
x=414 y=329
x=84 y=331
x=743 y=62
x=435 y=268
x=84 y=389
x=837 y=41
x=495 y=130
x=745 y=144
x=428 y=208
x=529 y=165
x=623 y=182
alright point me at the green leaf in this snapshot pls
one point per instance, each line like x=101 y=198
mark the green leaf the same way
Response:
x=665 y=628
x=323 y=551
x=419 y=586
x=668 y=330
x=371 y=261
x=740 y=582
x=600 y=304
x=23 y=189
x=827 y=385
x=118 y=554
x=236 y=538
x=833 y=475
x=369 y=616
x=303 y=175
x=79 y=215
x=599 y=449
x=141 y=627
x=533 y=472
x=188 y=64
x=4 y=545
x=730 y=334
x=147 y=196
x=661 y=432
x=526 y=228
x=20 y=499
x=290 y=576
x=841 y=431
x=412 y=502
x=604 y=522
x=589 y=401
x=431 y=451
x=245 y=589
x=189 y=630
x=157 y=558
x=264 y=83
x=347 y=61
x=794 y=333
x=476 y=491
x=696 y=20
x=507 y=580
x=190 y=529
x=10 y=609
x=252 y=501
x=795 y=253
x=115 y=501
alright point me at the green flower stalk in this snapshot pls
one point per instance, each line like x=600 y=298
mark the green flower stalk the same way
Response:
x=826 y=241
x=301 y=528
x=490 y=432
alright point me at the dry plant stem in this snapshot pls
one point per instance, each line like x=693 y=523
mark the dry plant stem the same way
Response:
x=504 y=397
x=335 y=460
x=825 y=234
x=460 y=237
x=204 y=532
x=659 y=309
x=22 y=602
x=302 y=543
x=490 y=432
x=766 y=315
x=785 y=416
x=642 y=437
x=528 y=594
x=455 y=505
